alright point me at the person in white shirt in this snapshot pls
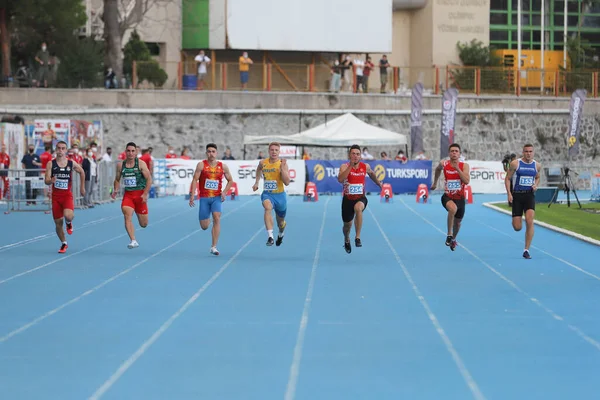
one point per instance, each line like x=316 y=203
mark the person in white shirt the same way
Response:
x=203 y=61
x=108 y=155
x=366 y=155
x=359 y=64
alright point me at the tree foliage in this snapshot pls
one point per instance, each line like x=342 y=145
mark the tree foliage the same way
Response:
x=81 y=64
x=147 y=68
x=31 y=22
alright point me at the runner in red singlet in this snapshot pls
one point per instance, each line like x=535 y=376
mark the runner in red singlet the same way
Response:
x=210 y=173
x=353 y=175
x=59 y=174
x=457 y=176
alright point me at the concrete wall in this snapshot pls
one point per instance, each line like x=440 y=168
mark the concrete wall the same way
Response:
x=40 y=99
x=482 y=136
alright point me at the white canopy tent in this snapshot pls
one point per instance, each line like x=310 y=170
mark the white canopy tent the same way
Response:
x=343 y=131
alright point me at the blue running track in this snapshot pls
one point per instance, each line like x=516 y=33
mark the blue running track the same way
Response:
x=403 y=317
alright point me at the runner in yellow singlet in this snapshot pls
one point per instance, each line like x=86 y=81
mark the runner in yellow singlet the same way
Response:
x=276 y=176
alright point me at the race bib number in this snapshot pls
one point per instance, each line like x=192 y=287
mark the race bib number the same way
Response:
x=130 y=182
x=355 y=188
x=526 y=181
x=211 y=184
x=270 y=185
x=61 y=184
x=454 y=184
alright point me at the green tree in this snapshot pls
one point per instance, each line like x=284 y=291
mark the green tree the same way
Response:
x=81 y=64
x=35 y=21
x=476 y=54
x=147 y=68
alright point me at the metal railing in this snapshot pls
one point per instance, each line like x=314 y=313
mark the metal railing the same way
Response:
x=25 y=190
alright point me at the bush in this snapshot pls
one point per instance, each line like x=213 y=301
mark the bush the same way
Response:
x=81 y=64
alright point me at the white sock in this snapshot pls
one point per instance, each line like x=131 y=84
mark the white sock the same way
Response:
x=64 y=242
x=281 y=234
x=270 y=232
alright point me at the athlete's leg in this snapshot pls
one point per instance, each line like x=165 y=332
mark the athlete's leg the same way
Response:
x=60 y=232
x=204 y=213
x=280 y=207
x=458 y=217
x=128 y=214
x=517 y=223
x=529 y=216
x=517 y=213
x=141 y=209
x=216 y=229
x=268 y=206
x=142 y=220
x=452 y=208
x=358 y=217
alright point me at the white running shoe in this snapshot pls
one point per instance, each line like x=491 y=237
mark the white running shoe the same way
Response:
x=133 y=244
x=213 y=250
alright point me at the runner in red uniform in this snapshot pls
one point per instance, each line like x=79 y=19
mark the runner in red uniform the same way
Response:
x=59 y=174
x=457 y=176
x=210 y=173
x=353 y=175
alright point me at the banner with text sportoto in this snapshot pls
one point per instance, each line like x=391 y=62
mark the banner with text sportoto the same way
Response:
x=179 y=173
x=487 y=176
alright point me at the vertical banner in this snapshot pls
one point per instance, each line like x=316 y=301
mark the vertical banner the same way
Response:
x=416 y=122
x=448 y=116
x=50 y=131
x=83 y=133
x=575 y=112
x=13 y=137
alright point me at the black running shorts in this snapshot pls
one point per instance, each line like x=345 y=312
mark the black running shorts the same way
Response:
x=460 y=206
x=348 y=207
x=522 y=202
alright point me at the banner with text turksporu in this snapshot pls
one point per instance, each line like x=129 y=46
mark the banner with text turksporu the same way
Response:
x=404 y=177
x=174 y=175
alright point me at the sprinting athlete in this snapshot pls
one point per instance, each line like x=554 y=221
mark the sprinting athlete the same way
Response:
x=210 y=173
x=353 y=176
x=58 y=174
x=457 y=176
x=276 y=175
x=137 y=181
x=522 y=196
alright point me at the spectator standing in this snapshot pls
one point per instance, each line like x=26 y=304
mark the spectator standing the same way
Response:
x=336 y=77
x=91 y=177
x=43 y=58
x=32 y=164
x=383 y=75
x=227 y=155
x=245 y=62
x=359 y=67
x=369 y=66
x=203 y=62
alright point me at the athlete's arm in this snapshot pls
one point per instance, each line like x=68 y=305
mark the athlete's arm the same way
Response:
x=285 y=172
x=258 y=175
x=438 y=172
x=344 y=172
x=537 y=177
x=465 y=173
x=48 y=177
x=511 y=170
x=77 y=168
x=117 y=183
x=373 y=176
x=229 y=178
x=195 y=179
x=146 y=173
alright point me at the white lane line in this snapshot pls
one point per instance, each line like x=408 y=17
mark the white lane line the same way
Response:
x=295 y=366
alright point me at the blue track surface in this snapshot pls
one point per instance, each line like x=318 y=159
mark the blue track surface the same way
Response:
x=402 y=317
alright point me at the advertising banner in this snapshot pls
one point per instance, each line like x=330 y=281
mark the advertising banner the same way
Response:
x=177 y=174
x=575 y=113
x=487 y=177
x=404 y=177
x=50 y=131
